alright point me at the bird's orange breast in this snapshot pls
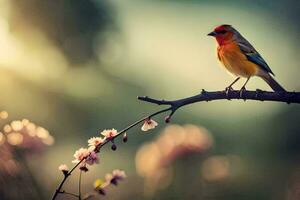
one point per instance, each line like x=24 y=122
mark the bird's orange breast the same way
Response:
x=235 y=61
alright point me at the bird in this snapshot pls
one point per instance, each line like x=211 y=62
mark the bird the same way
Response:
x=241 y=59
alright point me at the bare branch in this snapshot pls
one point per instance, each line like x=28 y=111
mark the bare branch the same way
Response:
x=258 y=95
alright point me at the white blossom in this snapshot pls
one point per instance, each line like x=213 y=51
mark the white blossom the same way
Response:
x=149 y=124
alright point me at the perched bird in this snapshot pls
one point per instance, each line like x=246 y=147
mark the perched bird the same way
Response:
x=240 y=58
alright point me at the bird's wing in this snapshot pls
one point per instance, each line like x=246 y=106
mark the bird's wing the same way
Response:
x=253 y=56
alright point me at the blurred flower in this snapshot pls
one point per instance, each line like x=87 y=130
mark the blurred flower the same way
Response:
x=95 y=141
x=92 y=158
x=110 y=133
x=80 y=154
x=83 y=168
x=110 y=178
x=98 y=183
x=17 y=143
x=3 y=115
x=149 y=124
x=27 y=136
x=16 y=125
x=216 y=168
x=14 y=138
x=116 y=176
x=7 y=128
x=154 y=160
x=63 y=167
x=119 y=174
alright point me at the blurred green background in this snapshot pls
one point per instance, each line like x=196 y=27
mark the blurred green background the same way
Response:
x=76 y=67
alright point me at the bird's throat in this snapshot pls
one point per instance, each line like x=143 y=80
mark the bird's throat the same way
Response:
x=222 y=41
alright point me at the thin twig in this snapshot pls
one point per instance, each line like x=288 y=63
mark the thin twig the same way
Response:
x=79 y=185
x=69 y=193
x=97 y=149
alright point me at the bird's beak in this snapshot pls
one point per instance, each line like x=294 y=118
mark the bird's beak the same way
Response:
x=212 y=34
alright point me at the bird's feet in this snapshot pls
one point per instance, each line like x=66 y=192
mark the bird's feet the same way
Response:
x=257 y=93
x=242 y=90
x=227 y=91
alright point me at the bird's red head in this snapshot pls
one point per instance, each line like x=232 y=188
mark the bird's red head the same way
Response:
x=223 y=34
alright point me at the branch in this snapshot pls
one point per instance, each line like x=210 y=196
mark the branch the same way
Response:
x=79 y=185
x=97 y=149
x=69 y=193
x=258 y=95
x=173 y=106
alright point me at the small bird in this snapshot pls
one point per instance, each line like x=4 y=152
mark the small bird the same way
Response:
x=240 y=58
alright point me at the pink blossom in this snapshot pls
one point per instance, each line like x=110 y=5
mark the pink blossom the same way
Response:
x=149 y=124
x=95 y=141
x=119 y=174
x=116 y=176
x=80 y=154
x=92 y=158
x=63 y=167
x=110 y=133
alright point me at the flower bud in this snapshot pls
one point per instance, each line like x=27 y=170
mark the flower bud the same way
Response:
x=84 y=168
x=125 y=137
x=168 y=119
x=113 y=147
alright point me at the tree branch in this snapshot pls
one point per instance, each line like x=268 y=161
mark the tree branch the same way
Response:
x=173 y=106
x=258 y=95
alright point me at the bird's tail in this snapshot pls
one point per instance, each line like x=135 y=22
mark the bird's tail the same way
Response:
x=273 y=83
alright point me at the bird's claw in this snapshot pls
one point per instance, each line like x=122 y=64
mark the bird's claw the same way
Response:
x=227 y=91
x=257 y=93
x=242 y=90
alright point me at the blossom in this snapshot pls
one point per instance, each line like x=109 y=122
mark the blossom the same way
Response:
x=110 y=179
x=63 y=167
x=80 y=154
x=155 y=159
x=119 y=174
x=83 y=168
x=95 y=141
x=110 y=133
x=100 y=185
x=3 y=114
x=91 y=148
x=92 y=158
x=149 y=124
x=115 y=176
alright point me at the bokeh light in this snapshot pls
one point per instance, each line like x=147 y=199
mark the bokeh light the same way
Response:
x=3 y=115
x=154 y=160
x=14 y=138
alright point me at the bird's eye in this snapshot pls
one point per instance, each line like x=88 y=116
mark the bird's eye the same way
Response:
x=222 y=32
